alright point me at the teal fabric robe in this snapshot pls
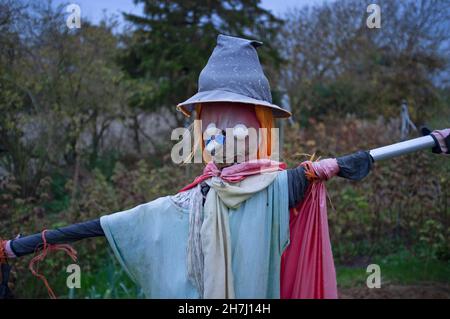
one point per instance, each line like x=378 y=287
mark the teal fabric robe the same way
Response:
x=150 y=242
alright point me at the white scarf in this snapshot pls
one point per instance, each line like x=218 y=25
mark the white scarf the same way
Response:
x=209 y=243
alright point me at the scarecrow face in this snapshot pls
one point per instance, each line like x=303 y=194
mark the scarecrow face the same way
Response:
x=223 y=121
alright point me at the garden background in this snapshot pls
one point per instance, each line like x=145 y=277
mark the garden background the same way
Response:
x=86 y=116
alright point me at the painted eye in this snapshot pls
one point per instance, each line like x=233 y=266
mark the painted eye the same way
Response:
x=240 y=131
x=211 y=130
x=215 y=139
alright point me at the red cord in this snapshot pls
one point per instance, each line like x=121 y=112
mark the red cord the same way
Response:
x=309 y=171
x=41 y=256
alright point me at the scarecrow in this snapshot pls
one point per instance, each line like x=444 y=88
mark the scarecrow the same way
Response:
x=248 y=227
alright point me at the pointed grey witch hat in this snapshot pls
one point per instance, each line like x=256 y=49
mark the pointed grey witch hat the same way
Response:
x=233 y=74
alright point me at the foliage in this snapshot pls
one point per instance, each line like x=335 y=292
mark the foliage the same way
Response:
x=403 y=201
x=172 y=41
x=336 y=65
x=402 y=267
x=57 y=89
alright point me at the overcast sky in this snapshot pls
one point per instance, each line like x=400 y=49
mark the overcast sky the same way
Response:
x=93 y=9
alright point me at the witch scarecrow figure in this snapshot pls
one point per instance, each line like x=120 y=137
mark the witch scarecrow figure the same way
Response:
x=248 y=227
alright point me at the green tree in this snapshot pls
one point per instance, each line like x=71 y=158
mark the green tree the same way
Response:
x=60 y=90
x=173 y=40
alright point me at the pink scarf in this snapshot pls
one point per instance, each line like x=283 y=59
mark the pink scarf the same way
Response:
x=307 y=267
x=238 y=172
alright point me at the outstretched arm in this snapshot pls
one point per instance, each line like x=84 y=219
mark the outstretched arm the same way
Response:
x=26 y=245
x=29 y=244
x=355 y=166
x=438 y=141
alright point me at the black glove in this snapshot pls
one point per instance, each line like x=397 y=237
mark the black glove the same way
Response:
x=437 y=148
x=355 y=166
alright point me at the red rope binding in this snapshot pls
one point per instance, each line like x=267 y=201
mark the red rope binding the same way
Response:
x=310 y=174
x=41 y=256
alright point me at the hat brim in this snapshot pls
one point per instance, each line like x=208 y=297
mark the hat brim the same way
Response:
x=224 y=96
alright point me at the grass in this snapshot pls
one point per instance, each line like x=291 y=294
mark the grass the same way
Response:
x=107 y=282
x=402 y=268
x=103 y=278
x=405 y=267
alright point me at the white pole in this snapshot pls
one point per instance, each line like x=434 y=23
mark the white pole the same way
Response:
x=401 y=148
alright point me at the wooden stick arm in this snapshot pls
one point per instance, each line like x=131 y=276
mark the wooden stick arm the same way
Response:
x=401 y=148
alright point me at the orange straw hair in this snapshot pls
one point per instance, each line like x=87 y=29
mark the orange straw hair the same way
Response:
x=199 y=133
x=265 y=118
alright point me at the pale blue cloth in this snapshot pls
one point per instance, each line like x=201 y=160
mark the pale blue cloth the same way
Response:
x=150 y=242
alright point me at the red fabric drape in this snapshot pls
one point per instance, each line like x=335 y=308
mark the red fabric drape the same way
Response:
x=307 y=266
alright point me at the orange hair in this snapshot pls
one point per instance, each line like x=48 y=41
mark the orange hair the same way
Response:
x=264 y=116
